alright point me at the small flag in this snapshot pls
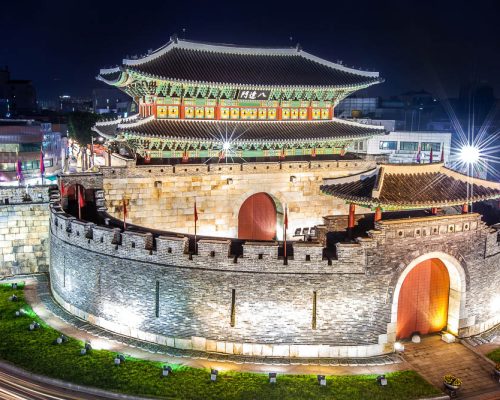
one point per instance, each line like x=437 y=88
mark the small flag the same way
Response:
x=81 y=200
x=195 y=213
x=431 y=156
x=42 y=163
x=19 y=170
x=418 y=155
x=442 y=153
x=62 y=189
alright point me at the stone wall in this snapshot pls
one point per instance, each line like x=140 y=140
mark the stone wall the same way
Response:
x=24 y=230
x=151 y=288
x=162 y=197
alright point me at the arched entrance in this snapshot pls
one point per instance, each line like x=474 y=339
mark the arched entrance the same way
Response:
x=257 y=218
x=423 y=299
x=457 y=291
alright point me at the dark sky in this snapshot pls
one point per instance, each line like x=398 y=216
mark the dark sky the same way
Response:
x=430 y=45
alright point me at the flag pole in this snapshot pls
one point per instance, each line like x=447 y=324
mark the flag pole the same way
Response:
x=285 y=225
x=124 y=214
x=195 y=221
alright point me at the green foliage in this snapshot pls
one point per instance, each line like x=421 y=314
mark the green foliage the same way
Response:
x=34 y=351
x=79 y=126
x=495 y=356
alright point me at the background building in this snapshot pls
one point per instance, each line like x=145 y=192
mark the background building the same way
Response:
x=18 y=93
x=24 y=140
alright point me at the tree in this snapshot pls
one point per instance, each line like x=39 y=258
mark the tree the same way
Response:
x=79 y=126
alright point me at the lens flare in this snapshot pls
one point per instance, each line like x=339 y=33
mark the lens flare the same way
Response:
x=469 y=154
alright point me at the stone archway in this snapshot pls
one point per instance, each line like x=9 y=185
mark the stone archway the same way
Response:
x=457 y=290
x=259 y=217
x=423 y=299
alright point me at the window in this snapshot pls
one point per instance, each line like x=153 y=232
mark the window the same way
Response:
x=426 y=146
x=388 y=145
x=409 y=146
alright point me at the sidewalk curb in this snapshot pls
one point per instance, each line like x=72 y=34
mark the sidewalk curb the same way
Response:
x=66 y=385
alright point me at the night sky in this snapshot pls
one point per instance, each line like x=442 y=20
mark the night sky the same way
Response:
x=432 y=45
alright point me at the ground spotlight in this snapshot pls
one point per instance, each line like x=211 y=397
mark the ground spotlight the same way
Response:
x=213 y=375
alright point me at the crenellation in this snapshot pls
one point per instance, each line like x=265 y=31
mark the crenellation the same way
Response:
x=213 y=248
x=260 y=250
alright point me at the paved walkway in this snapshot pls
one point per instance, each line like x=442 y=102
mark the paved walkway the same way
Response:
x=38 y=296
x=433 y=359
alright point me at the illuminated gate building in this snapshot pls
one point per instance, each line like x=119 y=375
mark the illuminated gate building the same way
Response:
x=375 y=252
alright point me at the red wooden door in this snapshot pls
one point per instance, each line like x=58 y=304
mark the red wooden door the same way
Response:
x=423 y=299
x=257 y=218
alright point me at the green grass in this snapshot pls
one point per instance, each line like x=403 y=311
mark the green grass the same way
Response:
x=34 y=351
x=495 y=355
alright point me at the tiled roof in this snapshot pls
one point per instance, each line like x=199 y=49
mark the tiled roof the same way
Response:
x=413 y=186
x=249 y=131
x=192 y=61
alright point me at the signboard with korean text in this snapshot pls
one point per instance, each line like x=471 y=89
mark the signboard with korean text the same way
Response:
x=253 y=94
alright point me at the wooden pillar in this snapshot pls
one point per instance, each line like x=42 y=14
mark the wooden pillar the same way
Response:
x=465 y=208
x=217 y=111
x=352 y=211
x=182 y=113
x=378 y=214
x=309 y=113
x=330 y=113
x=278 y=113
x=434 y=210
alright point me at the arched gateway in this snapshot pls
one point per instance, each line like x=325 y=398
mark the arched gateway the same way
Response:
x=423 y=299
x=257 y=218
x=429 y=296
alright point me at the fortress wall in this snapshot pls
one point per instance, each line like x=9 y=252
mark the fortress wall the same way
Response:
x=24 y=233
x=465 y=238
x=162 y=197
x=166 y=296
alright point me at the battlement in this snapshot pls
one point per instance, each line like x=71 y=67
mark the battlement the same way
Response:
x=351 y=258
x=211 y=254
x=144 y=171
x=24 y=194
x=423 y=227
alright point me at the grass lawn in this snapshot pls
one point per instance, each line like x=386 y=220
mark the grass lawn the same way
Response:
x=495 y=355
x=34 y=351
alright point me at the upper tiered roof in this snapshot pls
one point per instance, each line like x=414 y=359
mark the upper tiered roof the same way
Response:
x=195 y=62
x=415 y=186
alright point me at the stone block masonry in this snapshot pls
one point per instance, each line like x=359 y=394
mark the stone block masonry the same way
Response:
x=162 y=197
x=24 y=230
x=152 y=289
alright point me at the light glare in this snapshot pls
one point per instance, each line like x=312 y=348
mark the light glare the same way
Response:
x=469 y=154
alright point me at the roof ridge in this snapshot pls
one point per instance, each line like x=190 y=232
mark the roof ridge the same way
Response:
x=174 y=42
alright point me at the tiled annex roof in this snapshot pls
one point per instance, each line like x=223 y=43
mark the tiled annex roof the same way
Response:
x=243 y=131
x=415 y=186
x=188 y=61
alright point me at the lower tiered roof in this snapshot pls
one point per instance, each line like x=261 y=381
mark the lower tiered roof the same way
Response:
x=240 y=133
x=397 y=186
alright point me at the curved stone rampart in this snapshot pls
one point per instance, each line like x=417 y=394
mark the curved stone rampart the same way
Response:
x=151 y=288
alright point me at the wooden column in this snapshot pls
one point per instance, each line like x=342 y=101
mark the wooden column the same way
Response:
x=352 y=211
x=434 y=210
x=465 y=208
x=378 y=214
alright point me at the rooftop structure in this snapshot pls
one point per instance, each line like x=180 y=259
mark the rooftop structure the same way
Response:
x=198 y=100
x=415 y=186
